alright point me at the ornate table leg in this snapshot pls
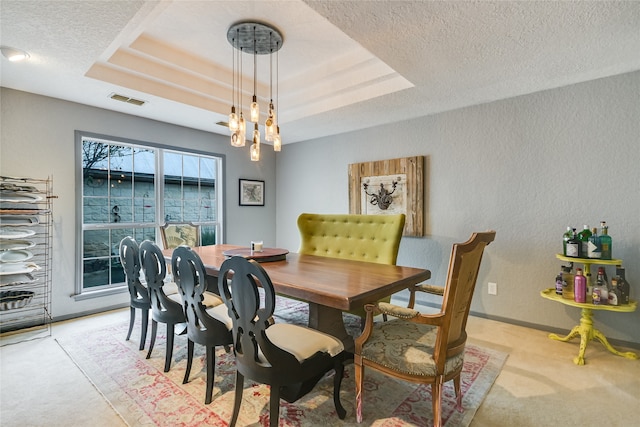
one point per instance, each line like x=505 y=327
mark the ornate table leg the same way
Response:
x=587 y=332
x=626 y=354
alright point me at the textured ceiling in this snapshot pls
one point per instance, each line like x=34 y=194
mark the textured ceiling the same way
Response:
x=343 y=66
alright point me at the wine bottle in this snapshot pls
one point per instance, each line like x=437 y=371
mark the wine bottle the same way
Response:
x=567 y=282
x=605 y=241
x=600 y=295
x=579 y=287
x=573 y=245
x=623 y=285
x=589 y=288
x=594 y=248
x=615 y=298
x=583 y=236
x=559 y=284
x=565 y=238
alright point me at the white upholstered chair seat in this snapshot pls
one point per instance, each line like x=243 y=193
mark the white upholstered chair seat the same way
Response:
x=406 y=347
x=210 y=299
x=302 y=342
x=221 y=313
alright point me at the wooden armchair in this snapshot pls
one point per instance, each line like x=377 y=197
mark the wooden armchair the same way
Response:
x=175 y=234
x=371 y=238
x=424 y=348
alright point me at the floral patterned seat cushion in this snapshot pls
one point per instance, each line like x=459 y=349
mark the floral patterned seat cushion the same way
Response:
x=406 y=347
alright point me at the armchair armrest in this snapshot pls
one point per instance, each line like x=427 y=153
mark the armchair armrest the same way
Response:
x=397 y=311
x=430 y=289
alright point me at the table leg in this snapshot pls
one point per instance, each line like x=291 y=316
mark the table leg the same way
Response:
x=587 y=332
x=329 y=320
x=626 y=354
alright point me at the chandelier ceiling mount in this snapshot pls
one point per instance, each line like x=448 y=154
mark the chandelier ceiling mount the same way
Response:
x=253 y=38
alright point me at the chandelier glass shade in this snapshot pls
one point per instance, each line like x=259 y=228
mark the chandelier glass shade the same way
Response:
x=253 y=38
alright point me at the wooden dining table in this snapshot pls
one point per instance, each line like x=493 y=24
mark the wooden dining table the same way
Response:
x=329 y=285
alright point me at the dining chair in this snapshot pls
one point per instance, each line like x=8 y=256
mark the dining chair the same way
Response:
x=165 y=299
x=174 y=234
x=291 y=359
x=424 y=348
x=371 y=238
x=138 y=293
x=208 y=323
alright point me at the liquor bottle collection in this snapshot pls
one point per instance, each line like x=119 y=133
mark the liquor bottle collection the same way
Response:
x=587 y=244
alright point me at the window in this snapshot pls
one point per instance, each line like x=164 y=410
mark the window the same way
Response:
x=131 y=188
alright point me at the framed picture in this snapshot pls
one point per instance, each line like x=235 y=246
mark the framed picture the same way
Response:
x=251 y=192
x=389 y=187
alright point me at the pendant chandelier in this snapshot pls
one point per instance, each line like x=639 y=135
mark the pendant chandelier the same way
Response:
x=253 y=38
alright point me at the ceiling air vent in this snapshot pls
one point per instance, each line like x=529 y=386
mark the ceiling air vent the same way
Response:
x=126 y=99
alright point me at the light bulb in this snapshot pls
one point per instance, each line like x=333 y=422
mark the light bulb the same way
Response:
x=256 y=135
x=270 y=125
x=242 y=130
x=277 y=141
x=233 y=120
x=255 y=110
x=255 y=152
x=269 y=129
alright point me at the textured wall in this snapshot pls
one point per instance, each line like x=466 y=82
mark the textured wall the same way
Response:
x=527 y=167
x=37 y=140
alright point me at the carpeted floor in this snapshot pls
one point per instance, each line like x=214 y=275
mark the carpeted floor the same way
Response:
x=144 y=395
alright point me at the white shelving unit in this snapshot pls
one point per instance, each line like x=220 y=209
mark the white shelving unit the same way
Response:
x=25 y=258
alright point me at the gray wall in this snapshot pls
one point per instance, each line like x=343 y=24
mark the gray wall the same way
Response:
x=37 y=140
x=527 y=167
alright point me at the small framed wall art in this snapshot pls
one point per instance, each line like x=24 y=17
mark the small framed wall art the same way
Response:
x=251 y=192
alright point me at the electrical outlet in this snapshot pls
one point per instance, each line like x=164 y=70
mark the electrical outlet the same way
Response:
x=492 y=288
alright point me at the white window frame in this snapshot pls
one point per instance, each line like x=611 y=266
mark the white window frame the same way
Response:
x=80 y=136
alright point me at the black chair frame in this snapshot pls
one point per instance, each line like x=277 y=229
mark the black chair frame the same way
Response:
x=138 y=293
x=190 y=275
x=163 y=309
x=290 y=379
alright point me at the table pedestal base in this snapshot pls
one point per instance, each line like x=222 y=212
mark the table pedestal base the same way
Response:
x=329 y=320
x=587 y=332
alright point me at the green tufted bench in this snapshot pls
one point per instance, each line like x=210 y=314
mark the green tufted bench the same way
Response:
x=371 y=238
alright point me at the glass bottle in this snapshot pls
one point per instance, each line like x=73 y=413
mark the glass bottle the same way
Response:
x=559 y=284
x=573 y=245
x=600 y=295
x=605 y=241
x=579 y=287
x=593 y=248
x=565 y=238
x=589 y=288
x=615 y=298
x=583 y=236
x=567 y=282
x=623 y=285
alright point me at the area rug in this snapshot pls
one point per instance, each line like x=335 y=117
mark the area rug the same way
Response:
x=144 y=395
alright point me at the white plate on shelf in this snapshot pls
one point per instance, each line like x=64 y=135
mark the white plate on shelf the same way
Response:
x=16 y=244
x=17 y=279
x=17 y=268
x=16 y=220
x=19 y=197
x=15 y=233
x=16 y=255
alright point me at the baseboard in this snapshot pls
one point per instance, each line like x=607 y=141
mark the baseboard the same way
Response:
x=89 y=312
x=539 y=327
